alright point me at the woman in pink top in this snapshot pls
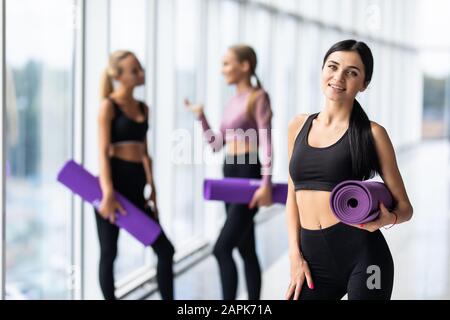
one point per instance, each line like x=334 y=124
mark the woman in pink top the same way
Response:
x=245 y=127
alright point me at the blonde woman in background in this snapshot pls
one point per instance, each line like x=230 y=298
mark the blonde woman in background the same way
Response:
x=126 y=167
x=245 y=128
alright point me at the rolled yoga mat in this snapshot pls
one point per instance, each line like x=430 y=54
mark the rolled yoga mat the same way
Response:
x=83 y=183
x=356 y=202
x=240 y=190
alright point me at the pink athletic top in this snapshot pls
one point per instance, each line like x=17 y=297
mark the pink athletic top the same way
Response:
x=237 y=125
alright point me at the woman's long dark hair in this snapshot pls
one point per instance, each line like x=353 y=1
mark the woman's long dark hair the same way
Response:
x=365 y=162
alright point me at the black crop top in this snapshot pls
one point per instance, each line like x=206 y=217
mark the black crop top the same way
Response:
x=314 y=168
x=125 y=129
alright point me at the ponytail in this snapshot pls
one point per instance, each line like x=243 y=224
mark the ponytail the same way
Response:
x=246 y=53
x=113 y=70
x=106 y=84
x=252 y=98
x=258 y=83
x=365 y=162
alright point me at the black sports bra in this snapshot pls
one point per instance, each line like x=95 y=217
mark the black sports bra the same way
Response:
x=125 y=129
x=314 y=168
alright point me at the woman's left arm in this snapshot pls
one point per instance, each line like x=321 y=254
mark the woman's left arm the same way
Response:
x=263 y=119
x=391 y=176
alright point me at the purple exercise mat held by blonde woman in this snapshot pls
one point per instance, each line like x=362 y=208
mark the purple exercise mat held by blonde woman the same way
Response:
x=84 y=184
x=238 y=190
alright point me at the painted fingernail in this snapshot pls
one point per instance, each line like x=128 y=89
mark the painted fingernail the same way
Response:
x=312 y=286
x=361 y=225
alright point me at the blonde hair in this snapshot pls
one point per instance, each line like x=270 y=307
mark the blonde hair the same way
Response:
x=246 y=53
x=113 y=70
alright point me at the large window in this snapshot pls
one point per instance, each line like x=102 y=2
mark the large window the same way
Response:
x=309 y=68
x=224 y=30
x=128 y=32
x=310 y=9
x=258 y=33
x=40 y=50
x=285 y=88
x=128 y=25
x=230 y=33
x=185 y=221
x=52 y=76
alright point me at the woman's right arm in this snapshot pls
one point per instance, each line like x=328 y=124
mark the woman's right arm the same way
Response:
x=215 y=140
x=299 y=266
x=108 y=203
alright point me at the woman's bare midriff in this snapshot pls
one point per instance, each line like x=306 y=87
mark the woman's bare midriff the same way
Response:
x=133 y=152
x=314 y=208
x=236 y=147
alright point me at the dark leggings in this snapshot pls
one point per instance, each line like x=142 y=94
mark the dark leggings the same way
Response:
x=345 y=259
x=129 y=179
x=239 y=231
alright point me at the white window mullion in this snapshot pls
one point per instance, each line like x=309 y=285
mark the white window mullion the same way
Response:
x=79 y=103
x=2 y=151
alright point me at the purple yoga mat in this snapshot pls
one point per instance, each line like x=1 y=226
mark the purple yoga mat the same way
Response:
x=356 y=202
x=239 y=190
x=137 y=223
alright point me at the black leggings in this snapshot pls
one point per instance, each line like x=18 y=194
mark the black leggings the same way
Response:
x=239 y=231
x=345 y=259
x=129 y=179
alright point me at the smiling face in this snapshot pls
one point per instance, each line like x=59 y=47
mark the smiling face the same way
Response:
x=132 y=74
x=232 y=69
x=343 y=76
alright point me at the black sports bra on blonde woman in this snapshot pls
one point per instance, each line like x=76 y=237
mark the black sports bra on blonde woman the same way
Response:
x=125 y=129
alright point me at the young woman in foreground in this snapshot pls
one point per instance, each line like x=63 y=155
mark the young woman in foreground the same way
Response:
x=329 y=258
